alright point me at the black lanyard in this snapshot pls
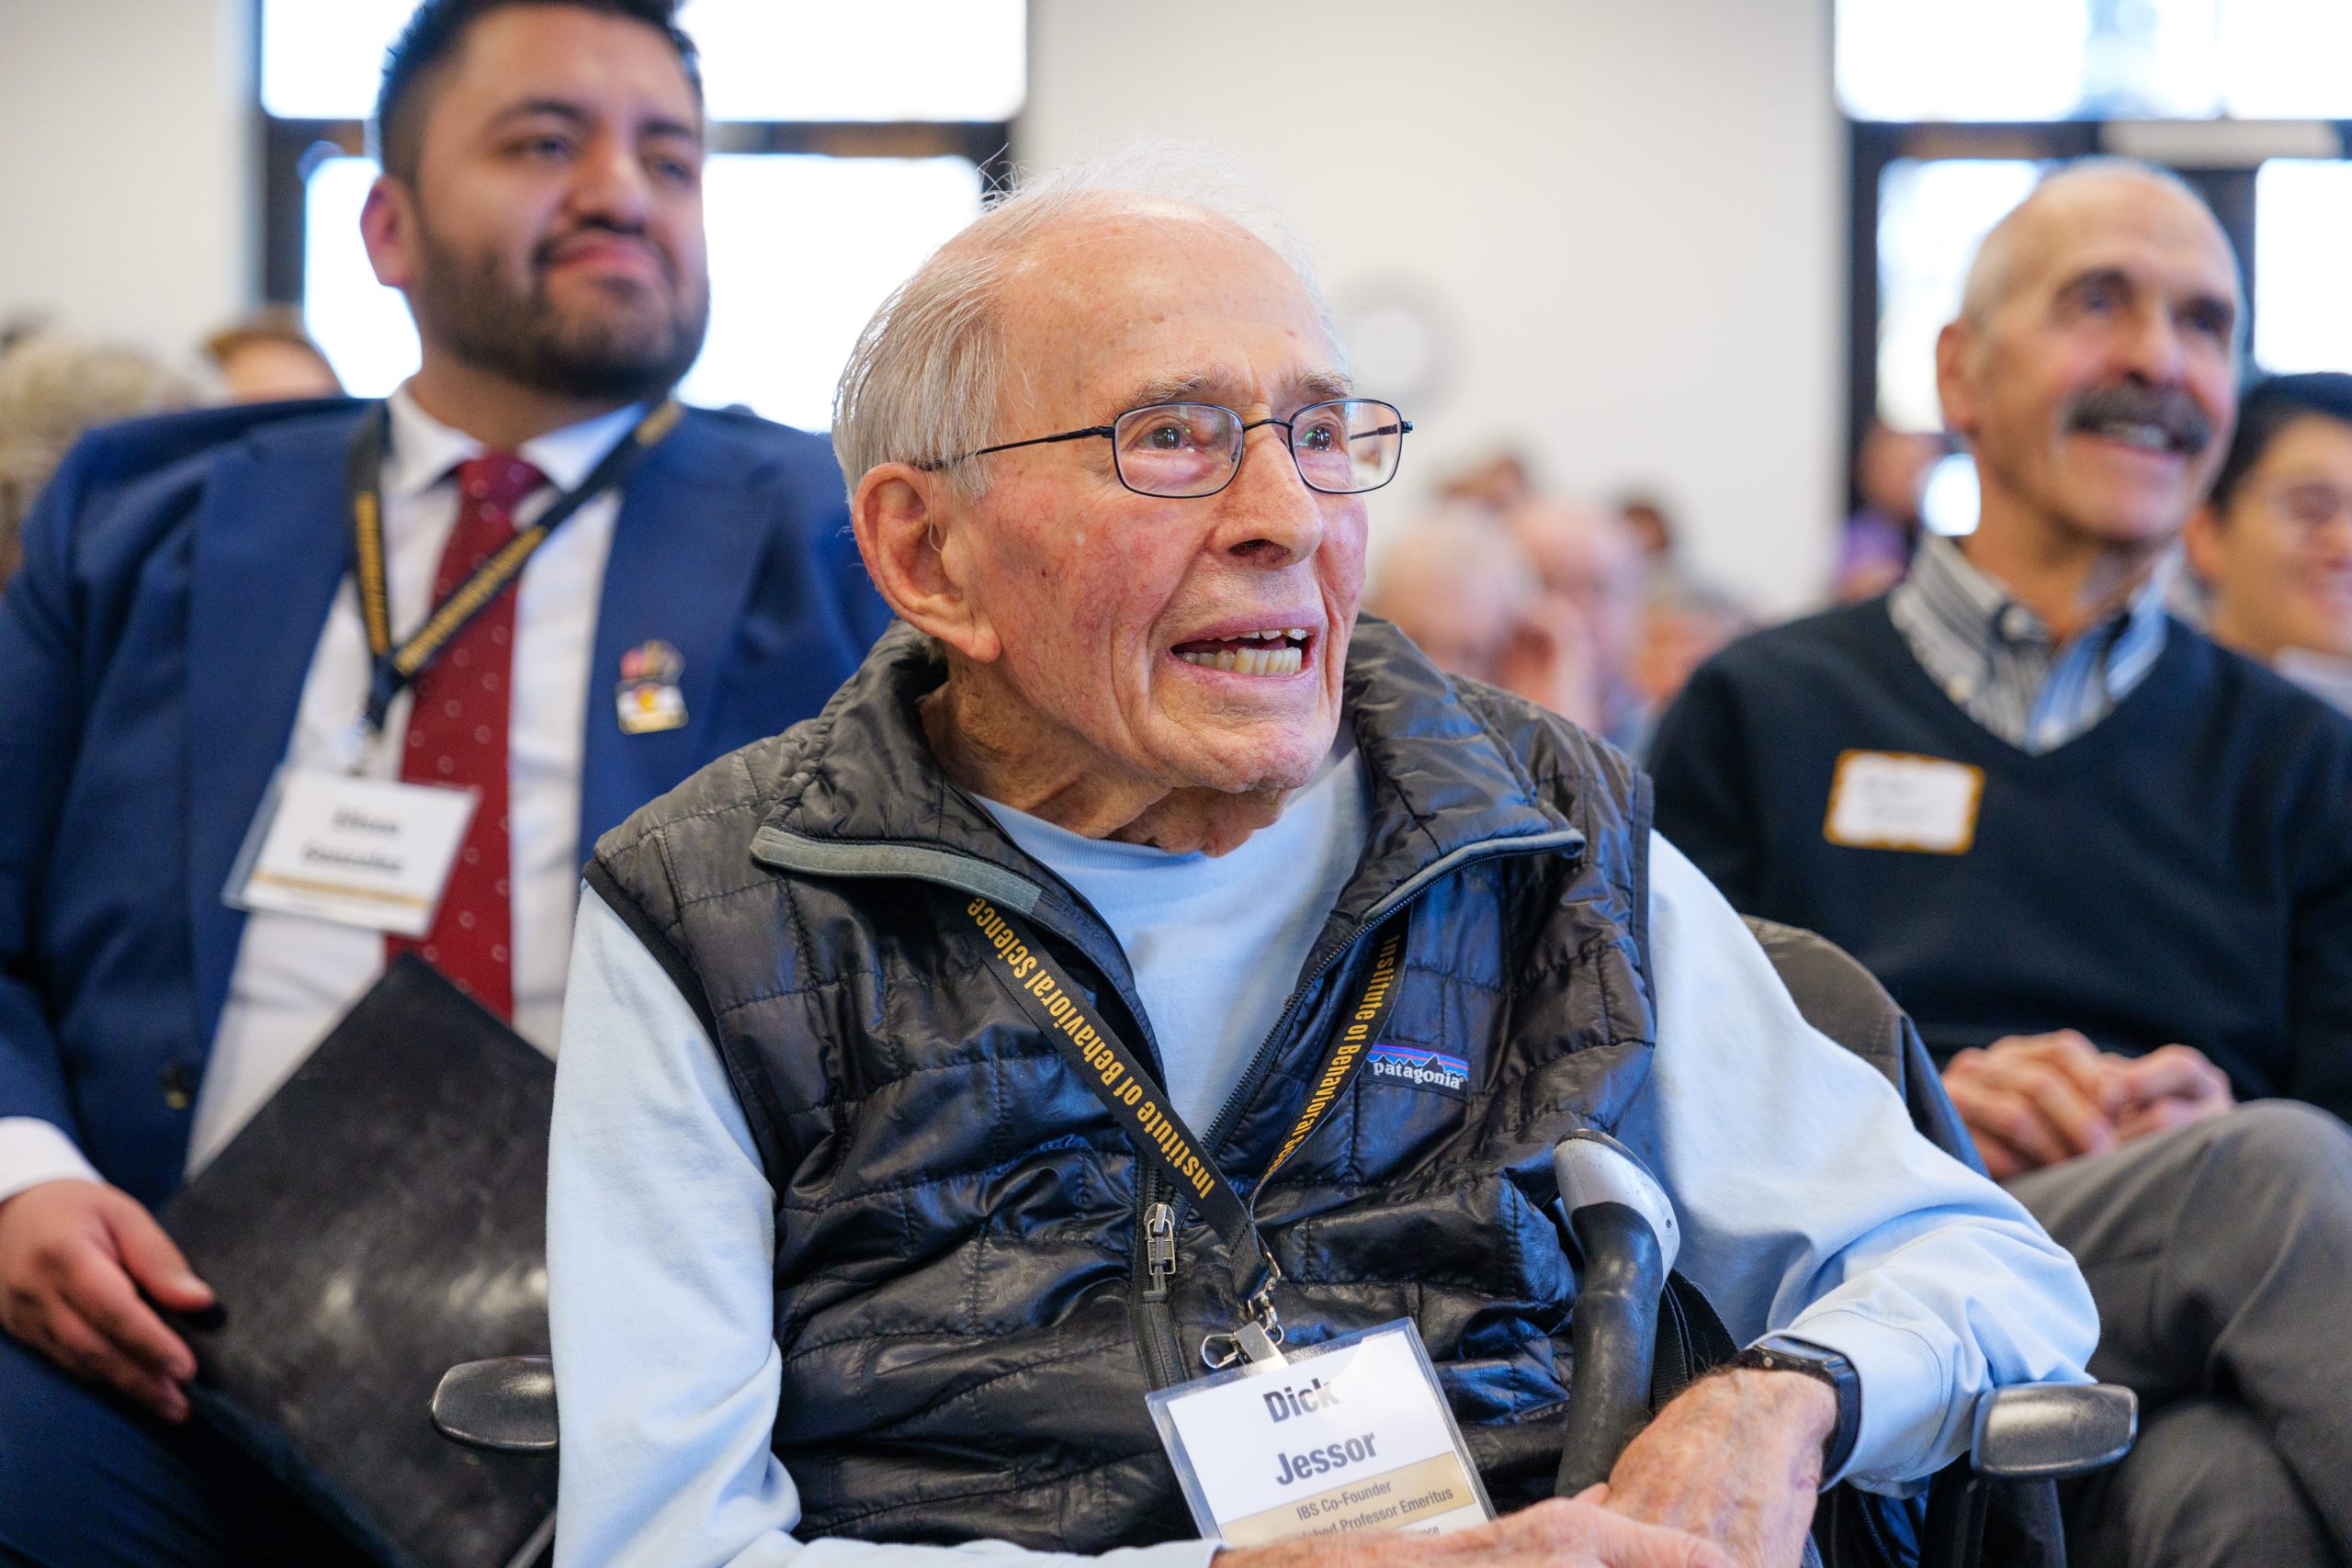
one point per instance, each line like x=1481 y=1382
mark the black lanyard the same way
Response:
x=1121 y=1080
x=392 y=668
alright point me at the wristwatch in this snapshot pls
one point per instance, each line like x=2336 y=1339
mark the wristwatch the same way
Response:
x=1778 y=1353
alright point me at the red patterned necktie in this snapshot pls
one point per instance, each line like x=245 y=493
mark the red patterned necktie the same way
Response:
x=457 y=737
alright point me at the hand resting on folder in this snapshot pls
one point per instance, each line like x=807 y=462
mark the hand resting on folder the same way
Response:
x=75 y=1258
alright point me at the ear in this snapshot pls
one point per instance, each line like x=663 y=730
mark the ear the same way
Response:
x=2202 y=539
x=1955 y=349
x=389 y=228
x=916 y=539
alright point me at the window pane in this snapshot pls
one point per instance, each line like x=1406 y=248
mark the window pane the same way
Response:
x=322 y=58
x=2302 y=231
x=2287 y=59
x=362 y=326
x=876 y=60
x=791 y=59
x=802 y=249
x=1931 y=216
x=1949 y=500
x=1903 y=60
x=2028 y=60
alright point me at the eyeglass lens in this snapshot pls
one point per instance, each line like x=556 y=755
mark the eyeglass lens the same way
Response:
x=2311 y=506
x=1190 y=449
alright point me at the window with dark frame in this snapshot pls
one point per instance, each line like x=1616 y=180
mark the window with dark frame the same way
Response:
x=1954 y=108
x=847 y=142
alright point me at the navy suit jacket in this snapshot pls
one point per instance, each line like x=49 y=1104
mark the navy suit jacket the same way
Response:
x=152 y=651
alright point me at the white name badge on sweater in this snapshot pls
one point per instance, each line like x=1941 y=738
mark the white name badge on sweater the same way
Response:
x=1894 y=800
x=357 y=852
x=1350 y=1435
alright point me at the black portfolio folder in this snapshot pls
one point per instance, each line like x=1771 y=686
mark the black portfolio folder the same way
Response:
x=380 y=1219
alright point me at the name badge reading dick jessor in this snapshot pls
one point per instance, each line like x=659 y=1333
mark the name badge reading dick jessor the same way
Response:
x=1349 y=1435
x=357 y=852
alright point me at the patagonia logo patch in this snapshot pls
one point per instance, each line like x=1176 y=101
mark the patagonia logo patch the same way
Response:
x=1421 y=1069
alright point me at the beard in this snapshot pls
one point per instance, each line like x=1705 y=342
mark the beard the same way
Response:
x=620 y=351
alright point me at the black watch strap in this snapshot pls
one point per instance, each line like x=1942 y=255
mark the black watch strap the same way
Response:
x=1778 y=1353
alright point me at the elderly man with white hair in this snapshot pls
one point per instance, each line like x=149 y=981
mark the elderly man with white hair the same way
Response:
x=866 y=1240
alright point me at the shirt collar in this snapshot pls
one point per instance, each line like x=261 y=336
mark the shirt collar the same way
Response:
x=423 y=450
x=1975 y=604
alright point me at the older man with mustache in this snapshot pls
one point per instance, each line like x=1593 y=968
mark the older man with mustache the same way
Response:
x=2106 y=864
x=853 y=1251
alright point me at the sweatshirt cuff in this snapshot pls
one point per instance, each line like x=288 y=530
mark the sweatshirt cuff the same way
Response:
x=33 y=1151
x=1908 y=1398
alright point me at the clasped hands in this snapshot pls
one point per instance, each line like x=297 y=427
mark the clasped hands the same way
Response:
x=1725 y=1477
x=2031 y=1100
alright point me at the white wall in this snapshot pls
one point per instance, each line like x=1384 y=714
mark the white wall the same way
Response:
x=126 y=166
x=1631 y=210
x=1627 y=212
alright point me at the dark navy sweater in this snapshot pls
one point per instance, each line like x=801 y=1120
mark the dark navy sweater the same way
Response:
x=2180 y=871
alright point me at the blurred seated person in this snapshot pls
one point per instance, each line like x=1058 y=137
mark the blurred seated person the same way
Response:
x=269 y=358
x=2105 y=864
x=1874 y=547
x=1494 y=482
x=1458 y=584
x=842 y=1242
x=191 y=619
x=1684 y=623
x=1590 y=561
x=53 y=389
x=1653 y=530
x=2273 y=544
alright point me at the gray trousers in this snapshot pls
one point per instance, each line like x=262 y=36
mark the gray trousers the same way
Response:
x=2221 y=1257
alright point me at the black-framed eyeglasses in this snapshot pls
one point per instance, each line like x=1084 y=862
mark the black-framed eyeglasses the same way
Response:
x=1185 y=450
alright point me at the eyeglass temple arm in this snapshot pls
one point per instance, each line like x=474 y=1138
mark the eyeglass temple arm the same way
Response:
x=1090 y=431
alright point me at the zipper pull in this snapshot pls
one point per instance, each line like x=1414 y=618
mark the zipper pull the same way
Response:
x=1159 y=1248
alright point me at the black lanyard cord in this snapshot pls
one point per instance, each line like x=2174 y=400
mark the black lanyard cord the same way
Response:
x=392 y=668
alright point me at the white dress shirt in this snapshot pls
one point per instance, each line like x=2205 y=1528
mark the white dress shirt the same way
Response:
x=295 y=976
x=1808 y=1205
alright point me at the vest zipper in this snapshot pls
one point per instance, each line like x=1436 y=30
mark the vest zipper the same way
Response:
x=1163 y=1360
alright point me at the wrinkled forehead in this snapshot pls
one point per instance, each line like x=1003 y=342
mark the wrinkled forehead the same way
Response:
x=2141 y=229
x=1113 y=312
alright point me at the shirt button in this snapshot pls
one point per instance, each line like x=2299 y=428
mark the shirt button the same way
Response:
x=178 y=1085
x=2017 y=623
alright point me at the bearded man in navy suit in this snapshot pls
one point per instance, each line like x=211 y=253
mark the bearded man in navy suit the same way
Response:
x=189 y=621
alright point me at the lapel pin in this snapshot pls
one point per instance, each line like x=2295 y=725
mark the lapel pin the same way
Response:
x=647 y=698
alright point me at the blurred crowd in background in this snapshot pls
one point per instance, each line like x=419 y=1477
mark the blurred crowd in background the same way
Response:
x=1585 y=604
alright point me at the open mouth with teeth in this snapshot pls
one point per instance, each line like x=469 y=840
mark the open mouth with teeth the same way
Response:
x=1280 y=651
x=2144 y=434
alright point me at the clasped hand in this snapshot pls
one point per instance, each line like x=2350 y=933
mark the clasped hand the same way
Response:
x=2031 y=1100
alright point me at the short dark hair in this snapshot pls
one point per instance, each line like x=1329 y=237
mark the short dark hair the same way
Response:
x=2269 y=406
x=433 y=34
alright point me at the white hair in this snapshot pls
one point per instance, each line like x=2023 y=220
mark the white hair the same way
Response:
x=931 y=371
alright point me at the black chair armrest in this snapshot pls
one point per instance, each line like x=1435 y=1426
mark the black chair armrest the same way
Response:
x=506 y=1406
x=2047 y=1431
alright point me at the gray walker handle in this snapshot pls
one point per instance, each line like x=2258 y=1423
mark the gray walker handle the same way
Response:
x=1625 y=1230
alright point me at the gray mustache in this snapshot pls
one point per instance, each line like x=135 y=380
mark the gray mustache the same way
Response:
x=2169 y=409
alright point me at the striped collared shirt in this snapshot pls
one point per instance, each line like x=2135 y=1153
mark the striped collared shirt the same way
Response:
x=1996 y=659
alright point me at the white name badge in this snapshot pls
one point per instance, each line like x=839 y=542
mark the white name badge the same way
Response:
x=1893 y=800
x=1350 y=1435
x=357 y=852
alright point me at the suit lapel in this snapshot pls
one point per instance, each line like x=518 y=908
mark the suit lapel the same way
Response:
x=684 y=561
x=271 y=545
